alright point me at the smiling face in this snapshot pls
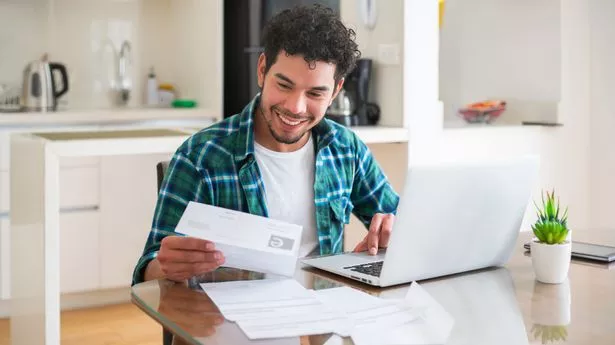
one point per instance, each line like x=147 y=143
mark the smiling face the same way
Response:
x=294 y=99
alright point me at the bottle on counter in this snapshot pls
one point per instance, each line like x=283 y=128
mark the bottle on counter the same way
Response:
x=152 y=88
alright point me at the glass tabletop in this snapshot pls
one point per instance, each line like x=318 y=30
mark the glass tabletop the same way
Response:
x=503 y=305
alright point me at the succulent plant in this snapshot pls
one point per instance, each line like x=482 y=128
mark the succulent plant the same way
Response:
x=551 y=227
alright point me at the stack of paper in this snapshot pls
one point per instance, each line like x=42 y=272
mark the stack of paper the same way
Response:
x=369 y=314
x=266 y=309
x=274 y=308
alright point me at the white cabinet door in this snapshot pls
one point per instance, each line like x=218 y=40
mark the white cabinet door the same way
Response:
x=5 y=259
x=79 y=251
x=127 y=201
x=79 y=188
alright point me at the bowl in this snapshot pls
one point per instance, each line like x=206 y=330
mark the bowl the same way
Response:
x=471 y=115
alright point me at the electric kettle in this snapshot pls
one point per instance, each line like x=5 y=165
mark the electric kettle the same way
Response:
x=342 y=109
x=40 y=91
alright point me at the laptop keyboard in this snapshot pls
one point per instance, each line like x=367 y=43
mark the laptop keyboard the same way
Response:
x=372 y=268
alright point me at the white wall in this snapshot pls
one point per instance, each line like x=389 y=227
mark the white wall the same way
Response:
x=506 y=49
x=386 y=86
x=602 y=143
x=182 y=40
x=29 y=19
x=564 y=151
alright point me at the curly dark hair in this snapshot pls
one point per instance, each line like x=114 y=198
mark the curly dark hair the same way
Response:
x=317 y=33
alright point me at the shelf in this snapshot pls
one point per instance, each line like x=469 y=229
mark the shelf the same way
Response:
x=381 y=135
x=518 y=113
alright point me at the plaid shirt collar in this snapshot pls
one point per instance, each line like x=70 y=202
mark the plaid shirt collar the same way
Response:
x=323 y=132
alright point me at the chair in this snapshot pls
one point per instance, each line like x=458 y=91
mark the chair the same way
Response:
x=161 y=169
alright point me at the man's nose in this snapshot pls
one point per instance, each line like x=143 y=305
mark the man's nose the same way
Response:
x=296 y=103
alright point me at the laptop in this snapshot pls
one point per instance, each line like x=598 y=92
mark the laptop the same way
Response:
x=452 y=218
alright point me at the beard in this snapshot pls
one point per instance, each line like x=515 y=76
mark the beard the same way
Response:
x=281 y=138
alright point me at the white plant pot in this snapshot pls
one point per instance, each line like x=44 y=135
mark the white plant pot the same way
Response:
x=550 y=261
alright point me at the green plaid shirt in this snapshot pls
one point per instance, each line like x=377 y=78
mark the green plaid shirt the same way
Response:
x=217 y=166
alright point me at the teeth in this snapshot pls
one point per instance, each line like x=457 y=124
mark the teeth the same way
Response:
x=288 y=120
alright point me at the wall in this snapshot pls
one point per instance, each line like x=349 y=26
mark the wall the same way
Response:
x=386 y=89
x=564 y=151
x=182 y=40
x=602 y=155
x=386 y=86
x=28 y=18
x=506 y=49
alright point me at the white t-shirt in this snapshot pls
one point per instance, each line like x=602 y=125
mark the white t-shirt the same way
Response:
x=289 y=186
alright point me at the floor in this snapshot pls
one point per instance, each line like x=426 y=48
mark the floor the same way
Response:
x=122 y=324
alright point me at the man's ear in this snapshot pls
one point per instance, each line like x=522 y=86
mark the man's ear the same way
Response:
x=260 y=69
x=338 y=87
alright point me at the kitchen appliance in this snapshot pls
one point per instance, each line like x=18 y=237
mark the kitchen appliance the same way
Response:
x=242 y=45
x=342 y=109
x=356 y=88
x=40 y=91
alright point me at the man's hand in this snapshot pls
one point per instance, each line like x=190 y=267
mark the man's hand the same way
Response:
x=180 y=257
x=378 y=234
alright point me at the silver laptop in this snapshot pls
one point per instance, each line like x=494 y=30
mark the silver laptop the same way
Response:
x=452 y=218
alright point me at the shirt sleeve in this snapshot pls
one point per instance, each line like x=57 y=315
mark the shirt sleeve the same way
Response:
x=371 y=191
x=182 y=183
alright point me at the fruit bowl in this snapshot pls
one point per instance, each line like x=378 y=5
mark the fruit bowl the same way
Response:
x=482 y=112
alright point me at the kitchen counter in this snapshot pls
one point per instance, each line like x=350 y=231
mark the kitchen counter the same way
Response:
x=35 y=218
x=106 y=117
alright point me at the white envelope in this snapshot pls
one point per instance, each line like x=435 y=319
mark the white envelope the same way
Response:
x=247 y=241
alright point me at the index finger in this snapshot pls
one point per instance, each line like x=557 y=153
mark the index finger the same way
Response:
x=374 y=233
x=188 y=243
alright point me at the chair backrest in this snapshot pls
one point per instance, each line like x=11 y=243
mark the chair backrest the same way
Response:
x=161 y=169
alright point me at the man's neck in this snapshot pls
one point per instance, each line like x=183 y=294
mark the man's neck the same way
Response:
x=263 y=136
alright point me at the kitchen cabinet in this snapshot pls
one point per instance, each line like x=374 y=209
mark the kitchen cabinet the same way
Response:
x=79 y=251
x=79 y=187
x=36 y=222
x=79 y=200
x=99 y=249
x=5 y=259
x=127 y=208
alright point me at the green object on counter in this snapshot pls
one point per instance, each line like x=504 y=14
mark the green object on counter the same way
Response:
x=183 y=103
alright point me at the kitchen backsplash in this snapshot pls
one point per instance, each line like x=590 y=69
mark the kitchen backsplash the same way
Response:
x=181 y=40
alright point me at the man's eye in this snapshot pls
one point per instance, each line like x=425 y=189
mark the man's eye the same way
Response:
x=314 y=94
x=284 y=86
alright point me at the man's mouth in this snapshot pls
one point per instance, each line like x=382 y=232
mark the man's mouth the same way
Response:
x=290 y=121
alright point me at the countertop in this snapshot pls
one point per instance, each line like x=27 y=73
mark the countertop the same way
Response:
x=105 y=116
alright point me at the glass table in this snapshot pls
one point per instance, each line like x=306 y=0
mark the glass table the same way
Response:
x=503 y=305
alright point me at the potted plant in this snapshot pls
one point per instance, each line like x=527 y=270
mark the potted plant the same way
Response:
x=551 y=248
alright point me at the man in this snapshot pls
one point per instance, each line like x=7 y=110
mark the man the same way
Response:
x=278 y=158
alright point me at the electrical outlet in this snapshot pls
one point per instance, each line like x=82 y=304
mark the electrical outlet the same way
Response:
x=388 y=54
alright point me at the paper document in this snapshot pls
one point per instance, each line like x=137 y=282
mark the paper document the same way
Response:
x=230 y=333
x=247 y=241
x=433 y=327
x=367 y=312
x=274 y=308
